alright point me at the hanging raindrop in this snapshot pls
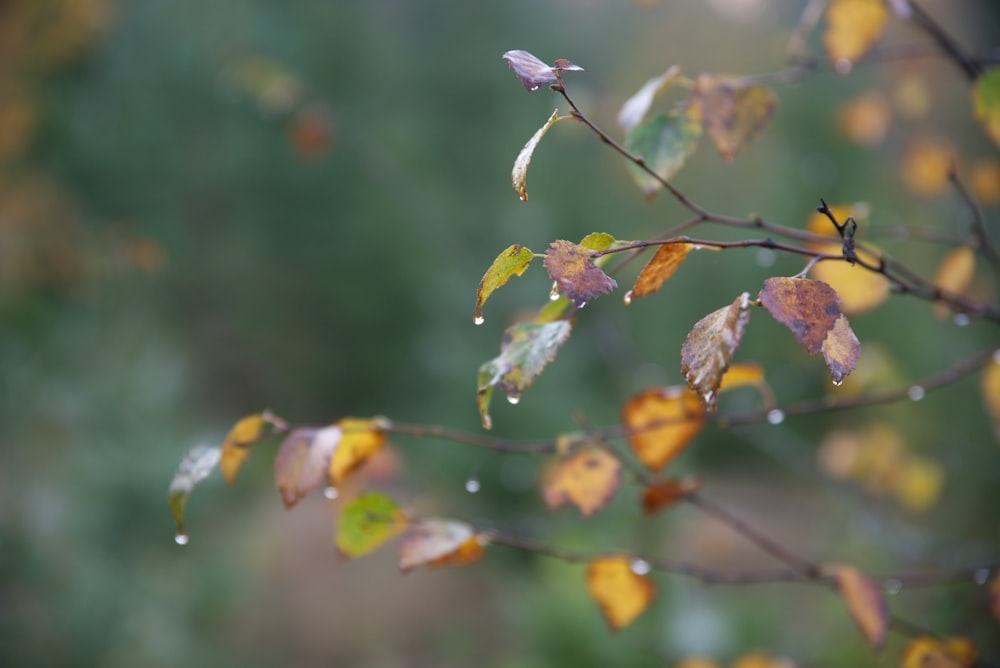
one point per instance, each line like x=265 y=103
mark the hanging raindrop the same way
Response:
x=181 y=539
x=554 y=292
x=916 y=393
x=837 y=382
x=962 y=319
x=981 y=575
x=331 y=492
x=640 y=566
x=472 y=486
x=478 y=320
x=775 y=416
x=513 y=398
x=628 y=298
x=893 y=586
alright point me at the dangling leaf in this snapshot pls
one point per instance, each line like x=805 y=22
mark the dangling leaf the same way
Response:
x=519 y=175
x=438 y=542
x=659 y=269
x=236 y=447
x=573 y=270
x=732 y=113
x=709 y=348
x=303 y=461
x=622 y=594
x=534 y=73
x=635 y=108
x=359 y=440
x=954 y=275
x=986 y=101
x=664 y=142
x=661 y=423
x=990 y=386
x=197 y=465
x=865 y=601
x=927 y=652
x=587 y=478
x=526 y=348
x=511 y=262
x=809 y=308
x=663 y=494
x=841 y=350
x=367 y=522
x=853 y=26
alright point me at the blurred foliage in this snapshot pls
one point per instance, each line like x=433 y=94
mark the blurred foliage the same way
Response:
x=211 y=208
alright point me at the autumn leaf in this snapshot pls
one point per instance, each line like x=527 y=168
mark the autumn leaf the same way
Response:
x=841 y=350
x=519 y=175
x=439 y=542
x=534 y=73
x=635 y=108
x=622 y=594
x=742 y=375
x=990 y=386
x=928 y=652
x=197 y=465
x=917 y=483
x=367 y=522
x=246 y=432
x=986 y=102
x=513 y=261
x=865 y=601
x=732 y=113
x=853 y=26
x=359 y=440
x=659 y=269
x=866 y=119
x=926 y=165
x=663 y=494
x=954 y=275
x=664 y=143
x=303 y=461
x=984 y=181
x=575 y=273
x=709 y=348
x=526 y=348
x=587 y=478
x=662 y=422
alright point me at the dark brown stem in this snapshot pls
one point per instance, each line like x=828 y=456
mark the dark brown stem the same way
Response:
x=926 y=22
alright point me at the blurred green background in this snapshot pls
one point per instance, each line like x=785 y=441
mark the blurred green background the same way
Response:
x=208 y=208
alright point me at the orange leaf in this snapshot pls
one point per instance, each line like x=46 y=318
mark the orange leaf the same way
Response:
x=359 y=440
x=865 y=120
x=587 y=478
x=984 y=181
x=575 y=273
x=853 y=26
x=236 y=447
x=741 y=375
x=925 y=166
x=809 y=308
x=732 y=113
x=659 y=269
x=697 y=662
x=440 y=542
x=622 y=594
x=661 y=423
x=865 y=601
x=927 y=652
x=709 y=348
x=954 y=275
x=665 y=493
x=990 y=386
x=303 y=461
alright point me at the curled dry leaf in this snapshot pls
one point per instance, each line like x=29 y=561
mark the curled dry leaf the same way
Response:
x=990 y=386
x=954 y=275
x=587 y=478
x=732 y=113
x=533 y=72
x=853 y=26
x=664 y=144
x=635 y=108
x=513 y=261
x=709 y=348
x=663 y=494
x=659 y=269
x=197 y=465
x=662 y=422
x=519 y=175
x=865 y=601
x=928 y=652
x=986 y=102
x=575 y=273
x=440 y=542
x=622 y=594
x=367 y=522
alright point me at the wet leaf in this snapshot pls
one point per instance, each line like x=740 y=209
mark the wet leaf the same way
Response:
x=954 y=275
x=866 y=119
x=534 y=73
x=303 y=461
x=732 y=114
x=659 y=269
x=664 y=142
x=663 y=494
x=622 y=594
x=662 y=422
x=439 y=542
x=865 y=601
x=808 y=308
x=990 y=386
x=709 y=348
x=588 y=478
x=573 y=270
x=853 y=27
x=841 y=350
x=519 y=175
x=526 y=348
x=367 y=522
x=926 y=164
x=197 y=465
x=986 y=102
x=246 y=432
x=927 y=652
x=511 y=262
x=359 y=440
x=635 y=108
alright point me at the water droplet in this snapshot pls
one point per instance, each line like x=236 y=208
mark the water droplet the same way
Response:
x=487 y=422
x=916 y=393
x=981 y=576
x=628 y=298
x=554 y=292
x=478 y=320
x=837 y=382
x=581 y=304
x=893 y=586
x=472 y=486
x=776 y=416
x=181 y=539
x=331 y=492
x=766 y=257
x=709 y=398
x=640 y=566
x=962 y=319
x=513 y=398
x=843 y=66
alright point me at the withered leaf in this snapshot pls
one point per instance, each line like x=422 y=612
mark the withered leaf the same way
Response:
x=303 y=461
x=664 y=143
x=587 y=478
x=663 y=494
x=519 y=174
x=635 y=108
x=662 y=422
x=513 y=261
x=622 y=594
x=841 y=349
x=709 y=348
x=659 y=269
x=573 y=270
x=367 y=522
x=732 y=113
x=197 y=465
x=852 y=27
x=865 y=601
x=440 y=542
x=809 y=308
x=534 y=73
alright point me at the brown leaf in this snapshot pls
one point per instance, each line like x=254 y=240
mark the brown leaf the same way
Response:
x=303 y=461
x=709 y=347
x=841 y=350
x=440 y=542
x=663 y=494
x=853 y=26
x=732 y=113
x=659 y=269
x=622 y=594
x=865 y=601
x=575 y=273
x=662 y=422
x=534 y=73
x=927 y=652
x=587 y=478
x=809 y=308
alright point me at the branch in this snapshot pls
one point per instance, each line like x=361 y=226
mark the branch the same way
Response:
x=972 y=68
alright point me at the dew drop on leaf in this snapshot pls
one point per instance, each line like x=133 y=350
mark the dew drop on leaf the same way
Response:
x=640 y=566
x=472 y=485
x=916 y=393
x=331 y=492
x=181 y=539
x=628 y=298
x=981 y=575
x=775 y=416
x=478 y=320
x=513 y=399
x=893 y=587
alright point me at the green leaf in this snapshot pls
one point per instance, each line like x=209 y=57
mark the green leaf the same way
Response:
x=526 y=348
x=367 y=522
x=519 y=175
x=664 y=143
x=511 y=262
x=197 y=465
x=598 y=241
x=986 y=98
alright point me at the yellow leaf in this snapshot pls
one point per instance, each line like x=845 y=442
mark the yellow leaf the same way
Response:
x=853 y=26
x=697 y=662
x=925 y=166
x=912 y=96
x=918 y=482
x=865 y=120
x=359 y=440
x=661 y=423
x=859 y=289
x=588 y=479
x=236 y=447
x=954 y=275
x=865 y=601
x=990 y=386
x=659 y=269
x=511 y=262
x=927 y=652
x=622 y=594
x=742 y=375
x=732 y=114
